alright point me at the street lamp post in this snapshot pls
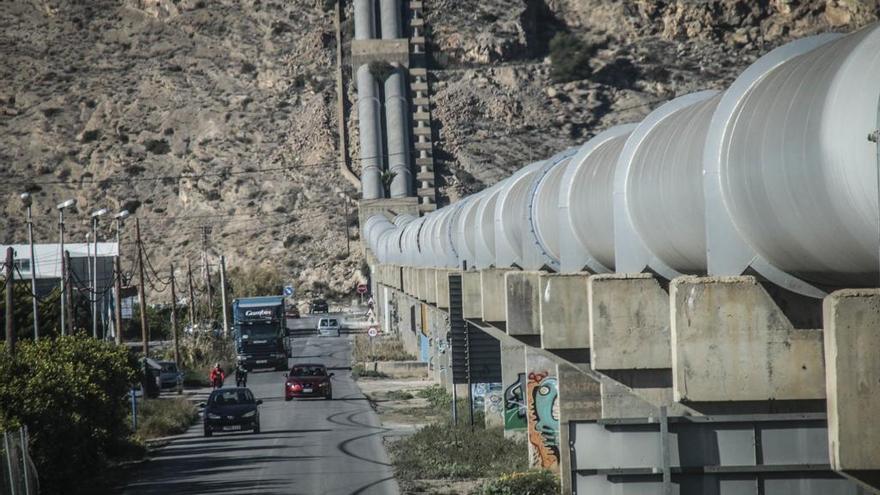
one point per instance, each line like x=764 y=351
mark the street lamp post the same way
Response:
x=95 y=216
x=64 y=267
x=26 y=199
x=117 y=305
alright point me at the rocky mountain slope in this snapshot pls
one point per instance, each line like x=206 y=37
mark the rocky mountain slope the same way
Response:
x=222 y=112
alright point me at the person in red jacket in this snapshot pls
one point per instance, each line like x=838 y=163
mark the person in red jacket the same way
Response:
x=217 y=376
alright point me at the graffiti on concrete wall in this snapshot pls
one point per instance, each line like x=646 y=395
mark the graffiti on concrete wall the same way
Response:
x=515 y=404
x=543 y=419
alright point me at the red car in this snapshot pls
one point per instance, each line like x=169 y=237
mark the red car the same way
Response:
x=308 y=380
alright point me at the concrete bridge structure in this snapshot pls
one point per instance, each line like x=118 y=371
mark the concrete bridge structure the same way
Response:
x=687 y=304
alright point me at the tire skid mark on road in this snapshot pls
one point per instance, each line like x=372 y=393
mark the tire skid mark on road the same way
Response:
x=363 y=489
x=344 y=448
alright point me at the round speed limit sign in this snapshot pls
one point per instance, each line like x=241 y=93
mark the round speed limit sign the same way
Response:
x=372 y=332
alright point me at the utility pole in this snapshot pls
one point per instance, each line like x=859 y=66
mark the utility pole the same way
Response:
x=192 y=296
x=174 y=320
x=10 y=285
x=26 y=198
x=207 y=270
x=69 y=293
x=142 y=298
x=118 y=296
x=223 y=295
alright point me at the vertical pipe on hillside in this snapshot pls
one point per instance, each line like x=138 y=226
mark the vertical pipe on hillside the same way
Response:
x=364 y=28
x=370 y=129
x=396 y=120
x=390 y=18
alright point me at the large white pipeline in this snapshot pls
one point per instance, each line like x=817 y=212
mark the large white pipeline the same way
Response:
x=775 y=174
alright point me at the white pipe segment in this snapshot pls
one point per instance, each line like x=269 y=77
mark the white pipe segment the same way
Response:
x=510 y=216
x=659 y=214
x=390 y=19
x=370 y=133
x=775 y=175
x=374 y=228
x=484 y=227
x=541 y=239
x=586 y=203
x=791 y=179
x=464 y=230
x=364 y=20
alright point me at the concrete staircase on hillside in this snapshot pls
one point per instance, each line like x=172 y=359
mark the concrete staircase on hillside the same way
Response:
x=423 y=147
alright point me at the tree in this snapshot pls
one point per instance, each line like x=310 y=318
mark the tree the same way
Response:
x=570 y=58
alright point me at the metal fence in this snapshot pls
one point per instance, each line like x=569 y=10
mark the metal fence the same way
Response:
x=18 y=476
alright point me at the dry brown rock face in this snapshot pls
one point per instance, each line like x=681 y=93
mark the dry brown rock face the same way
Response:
x=111 y=101
x=100 y=97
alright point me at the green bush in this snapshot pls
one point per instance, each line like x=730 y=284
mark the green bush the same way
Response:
x=70 y=393
x=446 y=451
x=569 y=58
x=383 y=349
x=163 y=417
x=535 y=482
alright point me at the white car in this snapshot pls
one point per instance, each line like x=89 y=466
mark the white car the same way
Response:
x=328 y=327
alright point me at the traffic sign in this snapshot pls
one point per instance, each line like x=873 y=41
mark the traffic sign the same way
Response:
x=373 y=331
x=288 y=290
x=362 y=289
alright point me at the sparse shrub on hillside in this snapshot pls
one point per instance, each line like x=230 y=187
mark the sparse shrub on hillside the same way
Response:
x=570 y=58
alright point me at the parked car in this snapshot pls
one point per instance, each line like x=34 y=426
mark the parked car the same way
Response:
x=231 y=409
x=319 y=306
x=328 y=327
x=170 y=376
x=308 y=380
x=292 y=312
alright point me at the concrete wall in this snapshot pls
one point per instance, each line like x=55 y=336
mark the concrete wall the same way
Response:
x=731 y=342
x=564 y=312
x=522 y=303
x=629 y=323
x=580 y=398
x=542 y=397
x=493 y=292
x=441 y=284
x=852 y=359
x=513 y=374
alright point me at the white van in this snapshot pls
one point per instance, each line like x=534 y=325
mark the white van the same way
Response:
x=328 y=327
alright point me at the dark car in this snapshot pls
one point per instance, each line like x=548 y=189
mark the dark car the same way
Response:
x=232 y=409
x=170 y=376
x=308 y=380
x=319 y=306
x=292 y=312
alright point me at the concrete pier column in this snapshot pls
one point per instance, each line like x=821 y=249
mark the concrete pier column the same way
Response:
x=522 y=305
x=542 y=411
x=513 y=383
x=370 y=131
x=852 y=378
x=732 y=342
x=390 y=18
x=364 y=20
x=397 y=128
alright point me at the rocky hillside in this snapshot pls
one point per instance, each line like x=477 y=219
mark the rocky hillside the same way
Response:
x=500 y=105
x=222 y=112
x=112 y=101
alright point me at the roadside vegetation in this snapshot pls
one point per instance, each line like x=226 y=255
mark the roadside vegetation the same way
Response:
x=164 y=417
x=199 y=353
x=533 y=482
x=383 y=349
x=443 y=450
x=70 y=392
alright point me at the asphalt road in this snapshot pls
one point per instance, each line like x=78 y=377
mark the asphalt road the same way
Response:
x=310 y=447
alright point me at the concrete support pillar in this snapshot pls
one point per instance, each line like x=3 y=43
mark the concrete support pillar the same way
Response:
x=364 y=20
x=430 y=294
x=472 y=297
x=441 y=283
x=852 y=377
x=370 y=131
x=522 y=304
x=580 y=399
x=564 y=312
x=390 y=17
x=492 y=286
x=397 y=129
x=513 y=384
x=542 y=402
x=732 y=342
